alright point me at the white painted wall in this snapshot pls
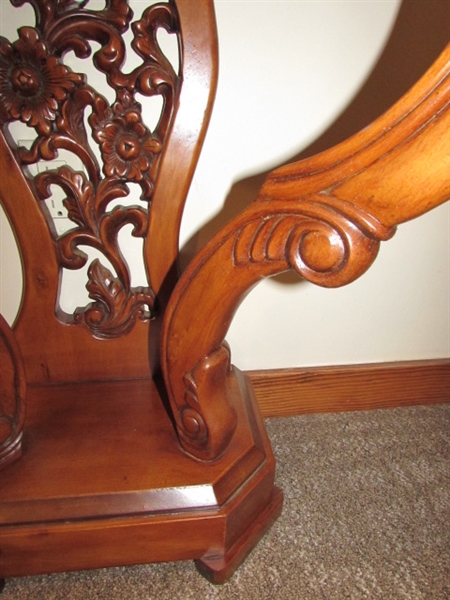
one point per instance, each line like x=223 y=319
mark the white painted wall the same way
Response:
x=288 y=68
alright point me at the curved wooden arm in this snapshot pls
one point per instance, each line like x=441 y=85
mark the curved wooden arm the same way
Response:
x=395 y=169
x=325 y=218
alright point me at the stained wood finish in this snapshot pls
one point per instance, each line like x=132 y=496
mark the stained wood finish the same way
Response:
x=13 y=389
x=287 y=392
x=112 y=331
x=118 y=468
x=102 y=479
x=101 y=475
x=323 y=218
x=395 y=170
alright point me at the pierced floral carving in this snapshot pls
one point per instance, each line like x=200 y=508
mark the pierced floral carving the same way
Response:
x=37 y=88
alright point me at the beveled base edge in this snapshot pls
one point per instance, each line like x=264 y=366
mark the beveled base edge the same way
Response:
x=250 y=504
x=196 y=534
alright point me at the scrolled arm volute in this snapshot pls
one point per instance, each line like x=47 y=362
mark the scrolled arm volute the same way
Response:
x=323 y=217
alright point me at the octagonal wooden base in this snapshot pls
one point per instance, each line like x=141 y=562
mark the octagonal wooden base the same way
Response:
x=103 y=482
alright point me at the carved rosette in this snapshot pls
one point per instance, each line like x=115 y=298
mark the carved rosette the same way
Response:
x=37 y=88
x=328 y=241
x=127 y=146
x=33 y=82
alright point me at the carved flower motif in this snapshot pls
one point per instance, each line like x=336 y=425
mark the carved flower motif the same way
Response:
x=127 y=146
x=33 y=82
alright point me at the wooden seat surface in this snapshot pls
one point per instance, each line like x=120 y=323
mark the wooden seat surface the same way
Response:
x=111 y=449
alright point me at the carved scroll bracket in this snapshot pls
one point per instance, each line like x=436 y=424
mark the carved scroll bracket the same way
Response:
x=201 y=423
x=327 y=241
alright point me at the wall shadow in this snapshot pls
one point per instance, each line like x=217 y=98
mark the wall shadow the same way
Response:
x=420 y=33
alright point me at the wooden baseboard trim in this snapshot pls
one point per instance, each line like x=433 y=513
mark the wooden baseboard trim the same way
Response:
x=285 y=392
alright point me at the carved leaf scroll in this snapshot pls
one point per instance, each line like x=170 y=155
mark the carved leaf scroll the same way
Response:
x=66 y=113
x=326 y=240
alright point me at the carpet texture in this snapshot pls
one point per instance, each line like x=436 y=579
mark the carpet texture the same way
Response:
x=366 y=515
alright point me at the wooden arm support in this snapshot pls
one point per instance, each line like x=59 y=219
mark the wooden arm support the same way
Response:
x=324 y=218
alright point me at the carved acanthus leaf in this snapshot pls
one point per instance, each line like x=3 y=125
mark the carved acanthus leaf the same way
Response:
x=115 y=307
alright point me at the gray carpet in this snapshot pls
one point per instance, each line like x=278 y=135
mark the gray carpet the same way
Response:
x=367 y=513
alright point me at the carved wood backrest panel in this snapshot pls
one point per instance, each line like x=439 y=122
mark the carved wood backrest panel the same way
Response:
x=61 y=111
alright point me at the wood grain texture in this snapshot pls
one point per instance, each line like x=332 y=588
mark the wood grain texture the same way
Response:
x=287 y=392
x=108 y=474
x=395 y=169
x=13 y=390
x=102 y=481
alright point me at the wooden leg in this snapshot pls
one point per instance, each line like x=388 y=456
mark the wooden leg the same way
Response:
x=2 y=584
x=218 y=569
